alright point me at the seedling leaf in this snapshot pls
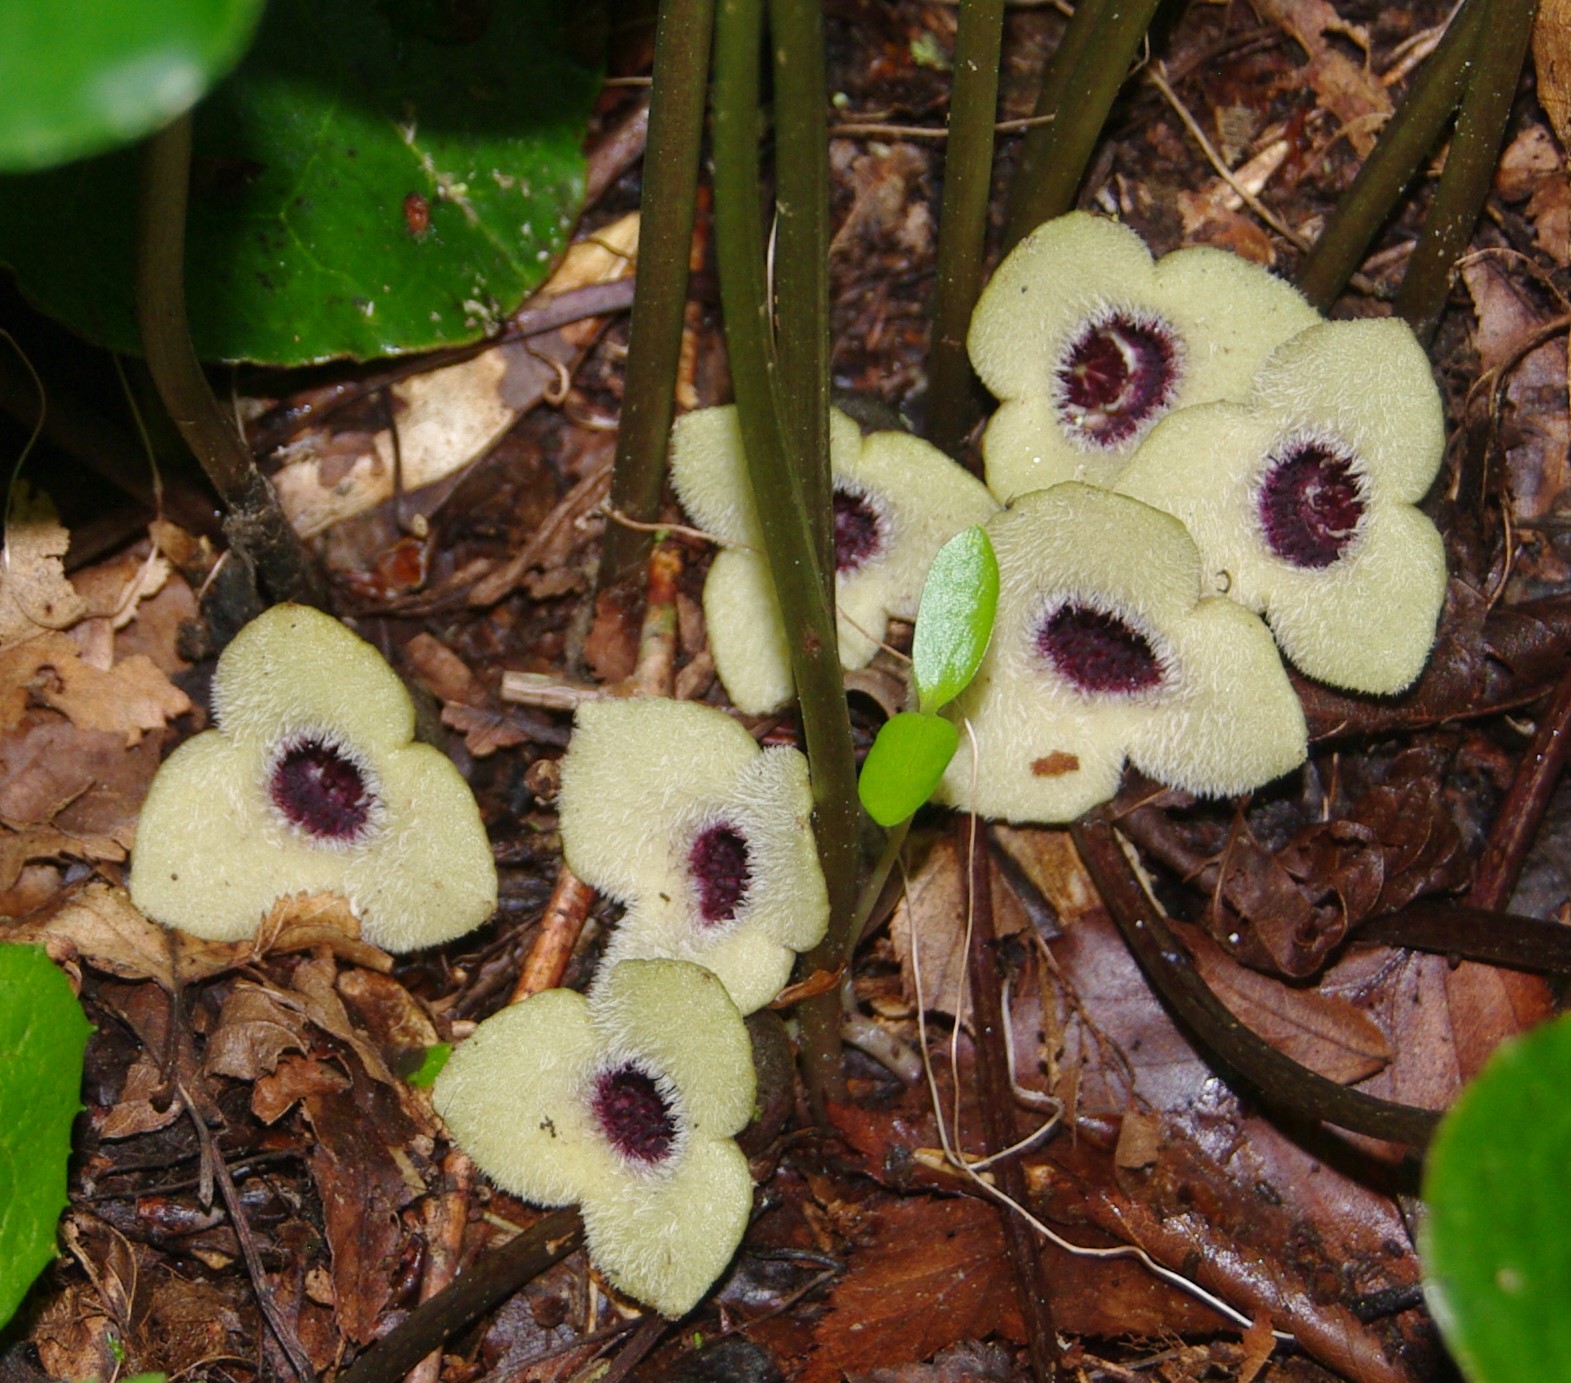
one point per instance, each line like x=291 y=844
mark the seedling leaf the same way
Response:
x=904 y=765
x=955 y=619
x=43 y=1036
x=1495 y=1250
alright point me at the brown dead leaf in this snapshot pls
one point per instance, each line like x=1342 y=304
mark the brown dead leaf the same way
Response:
x=1538 y=434
x=443 y=671
x=1326 y=1033
x=934 y=907
x=364 y=1178
x=296 y=1078
x=1552 y=63
x=137 y=1110
x=1352 y=93
x=35 y=596
x=114 y=589
x=99 y=926
x=254 y=1031
x=128 y=699
x=933 y=1272
x=1533 y=169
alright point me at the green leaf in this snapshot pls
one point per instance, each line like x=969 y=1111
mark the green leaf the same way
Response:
x=904 y=765
x=1495 y=1246
x=42 y=1038
x=955 y=619
x=421 y=1068
x=310 y=169
x=78 y=77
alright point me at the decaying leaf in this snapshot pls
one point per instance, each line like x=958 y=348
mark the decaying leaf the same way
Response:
x=1552 y=63
x=35 y=596
x=932 y=1272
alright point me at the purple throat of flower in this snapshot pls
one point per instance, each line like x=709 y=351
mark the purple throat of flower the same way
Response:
x=721 y=866
x=322 y=790
x=1098 y=653
x=1310 y=502
x=859 y=531
x=634 y=1115
x=1117 y=376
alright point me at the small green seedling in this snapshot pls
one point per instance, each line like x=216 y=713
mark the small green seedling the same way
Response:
x=1494 y=1247
x=953 y=625
x=421 y=1068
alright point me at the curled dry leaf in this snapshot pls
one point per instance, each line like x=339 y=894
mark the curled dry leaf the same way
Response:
x=35 y=596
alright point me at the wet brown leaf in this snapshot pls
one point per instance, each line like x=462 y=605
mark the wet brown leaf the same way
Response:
x=932 y=1272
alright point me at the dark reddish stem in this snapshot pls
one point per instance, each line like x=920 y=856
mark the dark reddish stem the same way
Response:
x=998 y=1098
x=1282 y=1082
x=1517 y=822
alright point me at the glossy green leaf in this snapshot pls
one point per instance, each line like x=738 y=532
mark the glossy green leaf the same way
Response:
x=366 y=183
x=78 y=77
x=904 y=765
x=955 y=619
x=43 y=1036
x=1496 y=1244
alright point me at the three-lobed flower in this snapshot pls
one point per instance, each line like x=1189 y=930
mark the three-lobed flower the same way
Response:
x=310 y=783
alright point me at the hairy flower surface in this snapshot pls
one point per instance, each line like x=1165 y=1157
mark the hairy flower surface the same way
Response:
x=310 y=784
x=624 y=1103
x=1088 y=343
x=897 y=500
x=673 y=809
x=1104 y=650
x=1301 y=500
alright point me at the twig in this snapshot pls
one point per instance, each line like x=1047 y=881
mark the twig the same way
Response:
x=560 y=927
x=1520 y=815
x=1472 y=933
x=492 y=1279
x=283 y=1332
x=443 y=1216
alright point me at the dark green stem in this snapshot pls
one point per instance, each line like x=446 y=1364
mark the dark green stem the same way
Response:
x=665 y=238
x=777 y=488
x=1407 y=138
x=256 y=526
x=801 y=258
x=1078 y=89
x=1470 y=166
x=962 y=223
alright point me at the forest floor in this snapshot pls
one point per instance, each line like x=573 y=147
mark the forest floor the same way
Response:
x=278 y=1068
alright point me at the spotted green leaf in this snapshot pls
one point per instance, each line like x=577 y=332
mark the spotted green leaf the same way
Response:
x=1496 y=1243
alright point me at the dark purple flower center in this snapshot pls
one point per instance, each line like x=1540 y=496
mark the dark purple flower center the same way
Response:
x=859 y=532
x=721 y=869
x=633 y=1114
x=1118 y=376
x=1097 y=651
x=1310 y=504
x=321 y=790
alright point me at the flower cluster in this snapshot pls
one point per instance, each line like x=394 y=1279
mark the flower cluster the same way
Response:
x=897 y=500
x=1289 y=453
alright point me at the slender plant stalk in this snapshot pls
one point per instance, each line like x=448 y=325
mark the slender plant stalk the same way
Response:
x=1470 y=167
x=665 y=237
x=1281 y=1081
x=801 y=276
x=256 y=526
x=1078 y=89
x=962 y=222
x=1404 y=143
x=788 y=534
